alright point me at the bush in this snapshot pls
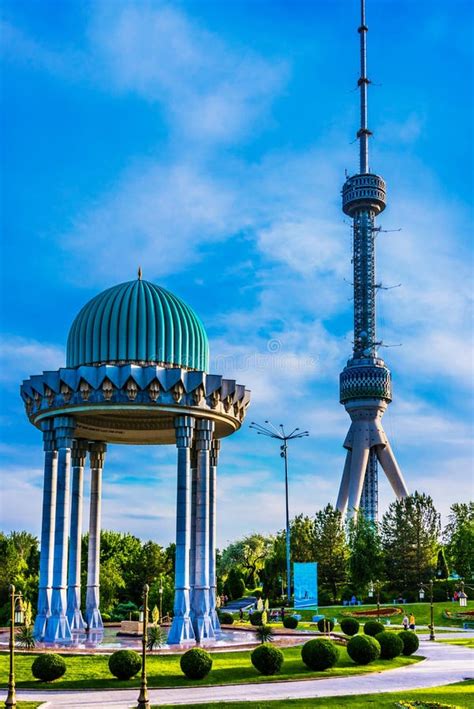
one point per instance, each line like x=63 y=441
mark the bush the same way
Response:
x=391 y=645
x=256 y=618
x=319 y=654
x=106 y=617
x=373 y=628
x=157 y=637
x=325 y=624
x=122 y=610
x=410 y=642
x=363 y=649
x=124 y=664
x=267 y=659
x=350 y=626
x=48 y=667
x=264 y=633
x=196 y=663
x=226 y=618
x=289 y=621
x=25 y=637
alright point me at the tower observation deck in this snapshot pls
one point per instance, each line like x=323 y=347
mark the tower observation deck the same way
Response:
x=365 y=383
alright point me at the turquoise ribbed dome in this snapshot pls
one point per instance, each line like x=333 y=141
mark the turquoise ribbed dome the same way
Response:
x=138 y=322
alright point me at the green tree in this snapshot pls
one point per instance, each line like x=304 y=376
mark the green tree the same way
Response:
x=410 y=531
x=459 y=538
x=302 y=538
x=330 y=549
x=247 y=554
x=442 y=571
x=365 y=552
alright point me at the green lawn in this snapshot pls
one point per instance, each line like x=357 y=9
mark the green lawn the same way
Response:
x=460 y=695
x=91 y=671
x=421 y=611
x=467 y=642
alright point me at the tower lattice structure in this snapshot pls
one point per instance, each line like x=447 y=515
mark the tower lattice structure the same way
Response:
x=365 y=382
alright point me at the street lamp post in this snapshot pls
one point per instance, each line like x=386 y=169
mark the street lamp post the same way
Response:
x=16 y=616
x=143 y=701
x=462 y=596
x=279 y=434
x=161 y=599
x=375 y=587
x=422 y=595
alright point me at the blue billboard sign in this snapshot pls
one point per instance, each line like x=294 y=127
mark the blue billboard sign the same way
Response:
x=305 y=579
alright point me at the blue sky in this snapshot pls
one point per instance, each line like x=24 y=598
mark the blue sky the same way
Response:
x=207 y=141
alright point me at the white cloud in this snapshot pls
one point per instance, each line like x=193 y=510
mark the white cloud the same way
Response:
x=210 y=90
x=20 y=357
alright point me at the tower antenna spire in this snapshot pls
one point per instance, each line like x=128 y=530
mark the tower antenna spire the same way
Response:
x=365 y=383
x=363 y=133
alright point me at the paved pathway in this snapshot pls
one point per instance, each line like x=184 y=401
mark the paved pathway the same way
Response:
x=445 y=664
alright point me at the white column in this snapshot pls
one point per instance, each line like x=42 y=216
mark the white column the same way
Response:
x=47 y=529
x=214 y=459
x=93 y=617
x=57 y=626
x=78 y=460
x=181 y=628
x=192 y=548
x=201 y=619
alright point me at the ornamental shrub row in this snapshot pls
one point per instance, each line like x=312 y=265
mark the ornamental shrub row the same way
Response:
x=318 y=654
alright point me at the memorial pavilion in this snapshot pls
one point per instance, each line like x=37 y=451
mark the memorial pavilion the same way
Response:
x=136 y=373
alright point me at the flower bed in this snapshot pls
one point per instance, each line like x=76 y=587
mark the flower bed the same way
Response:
x=373 y=613
x=461 y=615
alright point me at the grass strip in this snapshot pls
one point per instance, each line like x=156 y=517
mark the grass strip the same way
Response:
x=92 y=672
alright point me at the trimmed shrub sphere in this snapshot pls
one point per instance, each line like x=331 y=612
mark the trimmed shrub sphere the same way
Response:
x=391 y=645
x=410 y=642
x=124 y=664
x=196 y=663
x=267 y=659
x=226 y=618
x=256 y=618
x=48 y=667
x=289 y=621
x=373 y=627
x=363 y=649
x=350 y=626
x=319 y=654
x=324 y=623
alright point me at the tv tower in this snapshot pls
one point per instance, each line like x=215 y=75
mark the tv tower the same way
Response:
x=365 y=383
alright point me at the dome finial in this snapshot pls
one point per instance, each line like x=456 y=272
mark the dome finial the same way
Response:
x=139 y=273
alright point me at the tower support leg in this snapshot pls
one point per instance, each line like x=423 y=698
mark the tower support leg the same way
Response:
x=360 y=457
x=391 y=470
x=343 y=495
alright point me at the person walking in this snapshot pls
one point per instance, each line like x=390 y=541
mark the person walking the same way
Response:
x=412 y=621
x=405 y=622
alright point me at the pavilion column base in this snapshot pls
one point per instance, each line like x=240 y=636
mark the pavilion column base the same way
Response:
x=58 y=629
x=202 y=622
x=74 y=613
x=213 y=611
x=44 y=612
x=93 y=616
x=181 y=630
